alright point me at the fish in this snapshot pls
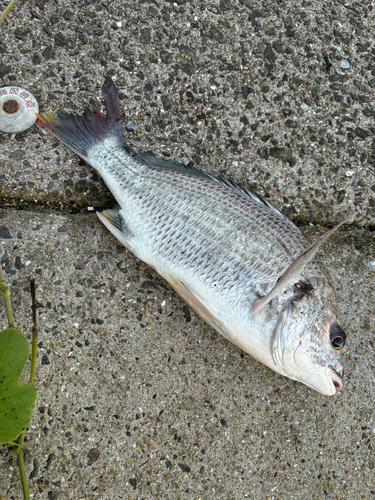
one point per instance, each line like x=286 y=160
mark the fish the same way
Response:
x=235 y=259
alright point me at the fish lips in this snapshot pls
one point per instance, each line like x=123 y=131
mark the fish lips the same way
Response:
x=324 y=377
x=336 y=378
x=326 y=385
x=333 y=382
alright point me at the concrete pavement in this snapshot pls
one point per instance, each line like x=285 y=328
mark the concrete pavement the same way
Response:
x=138 y=398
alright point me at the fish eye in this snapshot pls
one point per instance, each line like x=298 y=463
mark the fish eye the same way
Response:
x=337 y=337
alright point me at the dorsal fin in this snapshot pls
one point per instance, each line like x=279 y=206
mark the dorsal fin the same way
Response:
x=253 y=196
x=295 y=268
x=152 y=161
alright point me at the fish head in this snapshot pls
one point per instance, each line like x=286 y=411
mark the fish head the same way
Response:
x=307 y=339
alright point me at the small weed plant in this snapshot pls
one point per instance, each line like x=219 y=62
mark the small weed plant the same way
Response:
x=17 y=400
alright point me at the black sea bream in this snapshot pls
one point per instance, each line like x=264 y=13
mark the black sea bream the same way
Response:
x=237 y=261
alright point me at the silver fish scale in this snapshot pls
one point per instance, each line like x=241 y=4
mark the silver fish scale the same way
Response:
x=206 y=229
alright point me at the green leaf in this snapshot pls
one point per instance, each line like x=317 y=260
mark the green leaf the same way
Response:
x=17 y=400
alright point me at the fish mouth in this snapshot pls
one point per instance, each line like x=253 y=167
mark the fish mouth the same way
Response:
x=336 y=378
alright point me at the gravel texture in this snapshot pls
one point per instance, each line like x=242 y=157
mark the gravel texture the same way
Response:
x=138 y=398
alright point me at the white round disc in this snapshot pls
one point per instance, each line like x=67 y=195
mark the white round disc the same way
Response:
x=18 y=109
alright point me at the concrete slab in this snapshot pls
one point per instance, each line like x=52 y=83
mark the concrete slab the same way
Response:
x=242 y=89
x=138 y=398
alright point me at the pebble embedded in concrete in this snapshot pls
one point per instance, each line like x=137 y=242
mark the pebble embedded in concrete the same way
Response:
x=344 y=64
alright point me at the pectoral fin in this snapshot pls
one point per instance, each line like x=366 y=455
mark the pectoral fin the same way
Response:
x=291 y=274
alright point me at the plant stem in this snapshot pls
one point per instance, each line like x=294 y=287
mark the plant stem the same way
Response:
x=21 y=467
x=4 y=290
x=7 y=10
x=33 y=358
x=34 y=332
x=19 y=445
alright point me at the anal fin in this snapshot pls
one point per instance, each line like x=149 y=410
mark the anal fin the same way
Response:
x=198 y=305
x=114 y=222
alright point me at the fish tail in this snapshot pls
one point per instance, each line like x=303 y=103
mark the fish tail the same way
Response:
x=81 y=133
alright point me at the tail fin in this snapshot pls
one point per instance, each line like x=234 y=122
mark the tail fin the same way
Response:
x=81 y=133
